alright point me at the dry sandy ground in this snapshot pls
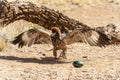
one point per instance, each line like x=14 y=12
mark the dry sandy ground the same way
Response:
x=99 y=64
x=30 y=64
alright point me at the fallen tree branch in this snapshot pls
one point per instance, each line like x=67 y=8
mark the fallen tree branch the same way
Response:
x=43 y=16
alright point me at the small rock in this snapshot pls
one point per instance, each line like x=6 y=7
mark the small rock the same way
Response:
x=84 y=57
x=43 y=54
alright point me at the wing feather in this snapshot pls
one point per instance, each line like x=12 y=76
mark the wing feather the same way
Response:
x=88 y=36
x=30 y=37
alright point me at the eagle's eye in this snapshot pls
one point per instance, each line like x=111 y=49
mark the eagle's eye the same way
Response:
x=53 y=31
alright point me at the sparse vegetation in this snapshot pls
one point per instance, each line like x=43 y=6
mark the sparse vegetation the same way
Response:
x=3 y=45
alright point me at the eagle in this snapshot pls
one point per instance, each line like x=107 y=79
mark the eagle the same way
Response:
x=60 y=39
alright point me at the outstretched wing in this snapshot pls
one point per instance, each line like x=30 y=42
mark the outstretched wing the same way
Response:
x=30 y=37
x=89 y=36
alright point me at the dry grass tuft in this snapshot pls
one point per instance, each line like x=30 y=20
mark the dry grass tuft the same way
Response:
x=3 y=45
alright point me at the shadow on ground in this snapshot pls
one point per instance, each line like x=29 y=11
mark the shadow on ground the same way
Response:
x=45 y=60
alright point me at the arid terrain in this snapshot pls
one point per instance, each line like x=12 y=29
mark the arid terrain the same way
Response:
x=37 y=62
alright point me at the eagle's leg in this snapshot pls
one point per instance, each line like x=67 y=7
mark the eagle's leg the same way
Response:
x=63 y=54
x=55 y=53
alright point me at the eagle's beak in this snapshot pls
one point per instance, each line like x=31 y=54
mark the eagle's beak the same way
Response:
x=62 y=36
x=53 y=34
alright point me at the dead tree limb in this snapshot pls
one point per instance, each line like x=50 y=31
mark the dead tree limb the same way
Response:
x=43 y=16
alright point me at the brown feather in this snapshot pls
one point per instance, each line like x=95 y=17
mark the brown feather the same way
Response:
x=89 y=36
x=58 y=43
x=86 y=35
x=30 y=37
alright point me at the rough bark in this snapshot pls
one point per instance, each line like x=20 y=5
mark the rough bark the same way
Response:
x=43 y=16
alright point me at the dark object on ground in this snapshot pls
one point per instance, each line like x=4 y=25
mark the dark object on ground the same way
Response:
x=78 y=64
